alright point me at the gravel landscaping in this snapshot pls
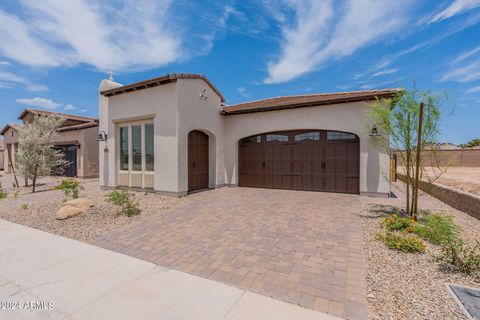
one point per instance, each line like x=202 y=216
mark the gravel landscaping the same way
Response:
x=406 y=285
x=102 y=218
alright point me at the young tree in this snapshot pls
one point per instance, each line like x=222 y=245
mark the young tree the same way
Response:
x=36 y=155
x=398 y=121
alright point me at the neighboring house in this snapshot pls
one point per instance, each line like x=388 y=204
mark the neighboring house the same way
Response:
x=442 y=146
x=1 y=155
x=76 y=138
x=173 y=134
x=10 y=140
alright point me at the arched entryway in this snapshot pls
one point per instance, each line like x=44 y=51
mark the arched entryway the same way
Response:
x=311 y=160
x=198 y=160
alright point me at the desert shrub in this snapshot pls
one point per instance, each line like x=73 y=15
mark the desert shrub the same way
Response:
x=24 y=206
x=461 y=257
x=403 y=241
x=3 y=194
x=70 y=187
x=436 y=228
x=396 y=223
x=15 y=194
x=124 y=199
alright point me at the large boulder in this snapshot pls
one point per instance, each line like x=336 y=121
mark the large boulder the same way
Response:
x=73 y=208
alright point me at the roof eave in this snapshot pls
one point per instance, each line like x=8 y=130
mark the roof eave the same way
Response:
x=224 y=111
x=170 y=78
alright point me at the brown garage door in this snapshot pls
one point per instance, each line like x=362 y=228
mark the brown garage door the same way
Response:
x=197 y=160
x=313 y=160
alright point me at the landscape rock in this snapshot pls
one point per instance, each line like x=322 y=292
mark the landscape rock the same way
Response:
x=73 y=208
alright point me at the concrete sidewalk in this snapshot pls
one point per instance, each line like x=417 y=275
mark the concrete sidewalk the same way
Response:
x=43 y=276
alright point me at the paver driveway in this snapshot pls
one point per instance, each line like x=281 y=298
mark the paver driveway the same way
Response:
x=296 y=246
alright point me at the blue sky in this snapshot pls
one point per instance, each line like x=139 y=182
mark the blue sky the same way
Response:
x=54 y=53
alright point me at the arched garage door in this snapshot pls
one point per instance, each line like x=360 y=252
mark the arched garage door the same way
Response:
x=312 y=160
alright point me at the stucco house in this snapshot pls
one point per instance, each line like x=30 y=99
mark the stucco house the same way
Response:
x=174 y=134
x=76 y=138
x=1 y=155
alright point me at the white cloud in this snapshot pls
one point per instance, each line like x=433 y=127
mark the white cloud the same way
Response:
x=11 y=78
x=118 y=36
x=466 y=73
x=464 y=68
x=473 y=90
x=464 y=55
x=5 y=85
x=384 y=72
x=323 y=31
x=70 y=107
x=83 y=110
x=455 y=8
x=243 y=92
x=39 y=102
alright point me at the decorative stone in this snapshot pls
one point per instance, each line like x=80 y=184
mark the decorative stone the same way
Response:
x=73 y=208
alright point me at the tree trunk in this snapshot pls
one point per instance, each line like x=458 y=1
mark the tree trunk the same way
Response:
x=34 y=181
x=417 y=161
x=407 y=205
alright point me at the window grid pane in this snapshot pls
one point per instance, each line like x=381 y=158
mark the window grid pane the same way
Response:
x=149 y=147
x=124 y=148
x=137 y=148
x=276 y=137
x=335 y=135
x=315 y=136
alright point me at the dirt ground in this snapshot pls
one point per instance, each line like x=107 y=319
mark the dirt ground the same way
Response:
x=38 y=209
x=466 y=179
x=407 y=286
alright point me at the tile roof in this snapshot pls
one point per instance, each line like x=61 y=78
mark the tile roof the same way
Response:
x=65 y=115
x=10 y=125
x=169 y=78
x=79 y=126
x=309 y=100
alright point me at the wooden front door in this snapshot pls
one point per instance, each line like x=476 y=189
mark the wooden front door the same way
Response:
x=197 y=160
x=311 y=160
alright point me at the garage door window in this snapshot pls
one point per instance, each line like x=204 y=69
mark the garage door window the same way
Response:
x=276 y=138
x=335 y=135
x=312 y=136
x=255 y=139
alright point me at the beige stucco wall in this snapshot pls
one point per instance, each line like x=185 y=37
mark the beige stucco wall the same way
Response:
x=348 y=117
x=10 y=137
x=204 y=115
x=87 y=154
x=160 y=104
x=177 y=109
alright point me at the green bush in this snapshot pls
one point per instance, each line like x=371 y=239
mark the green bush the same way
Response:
x=403 y=242
x=461 y=257
x=70 y=187
x=437 y=228
x=3 y=194
x=24 y=206
x=395 y=223
x=123 y=199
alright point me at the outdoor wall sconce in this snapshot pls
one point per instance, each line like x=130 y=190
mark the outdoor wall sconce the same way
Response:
x=102 y=136
x=374 y=132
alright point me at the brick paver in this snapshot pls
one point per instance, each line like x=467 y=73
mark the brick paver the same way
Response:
x=295 y=246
